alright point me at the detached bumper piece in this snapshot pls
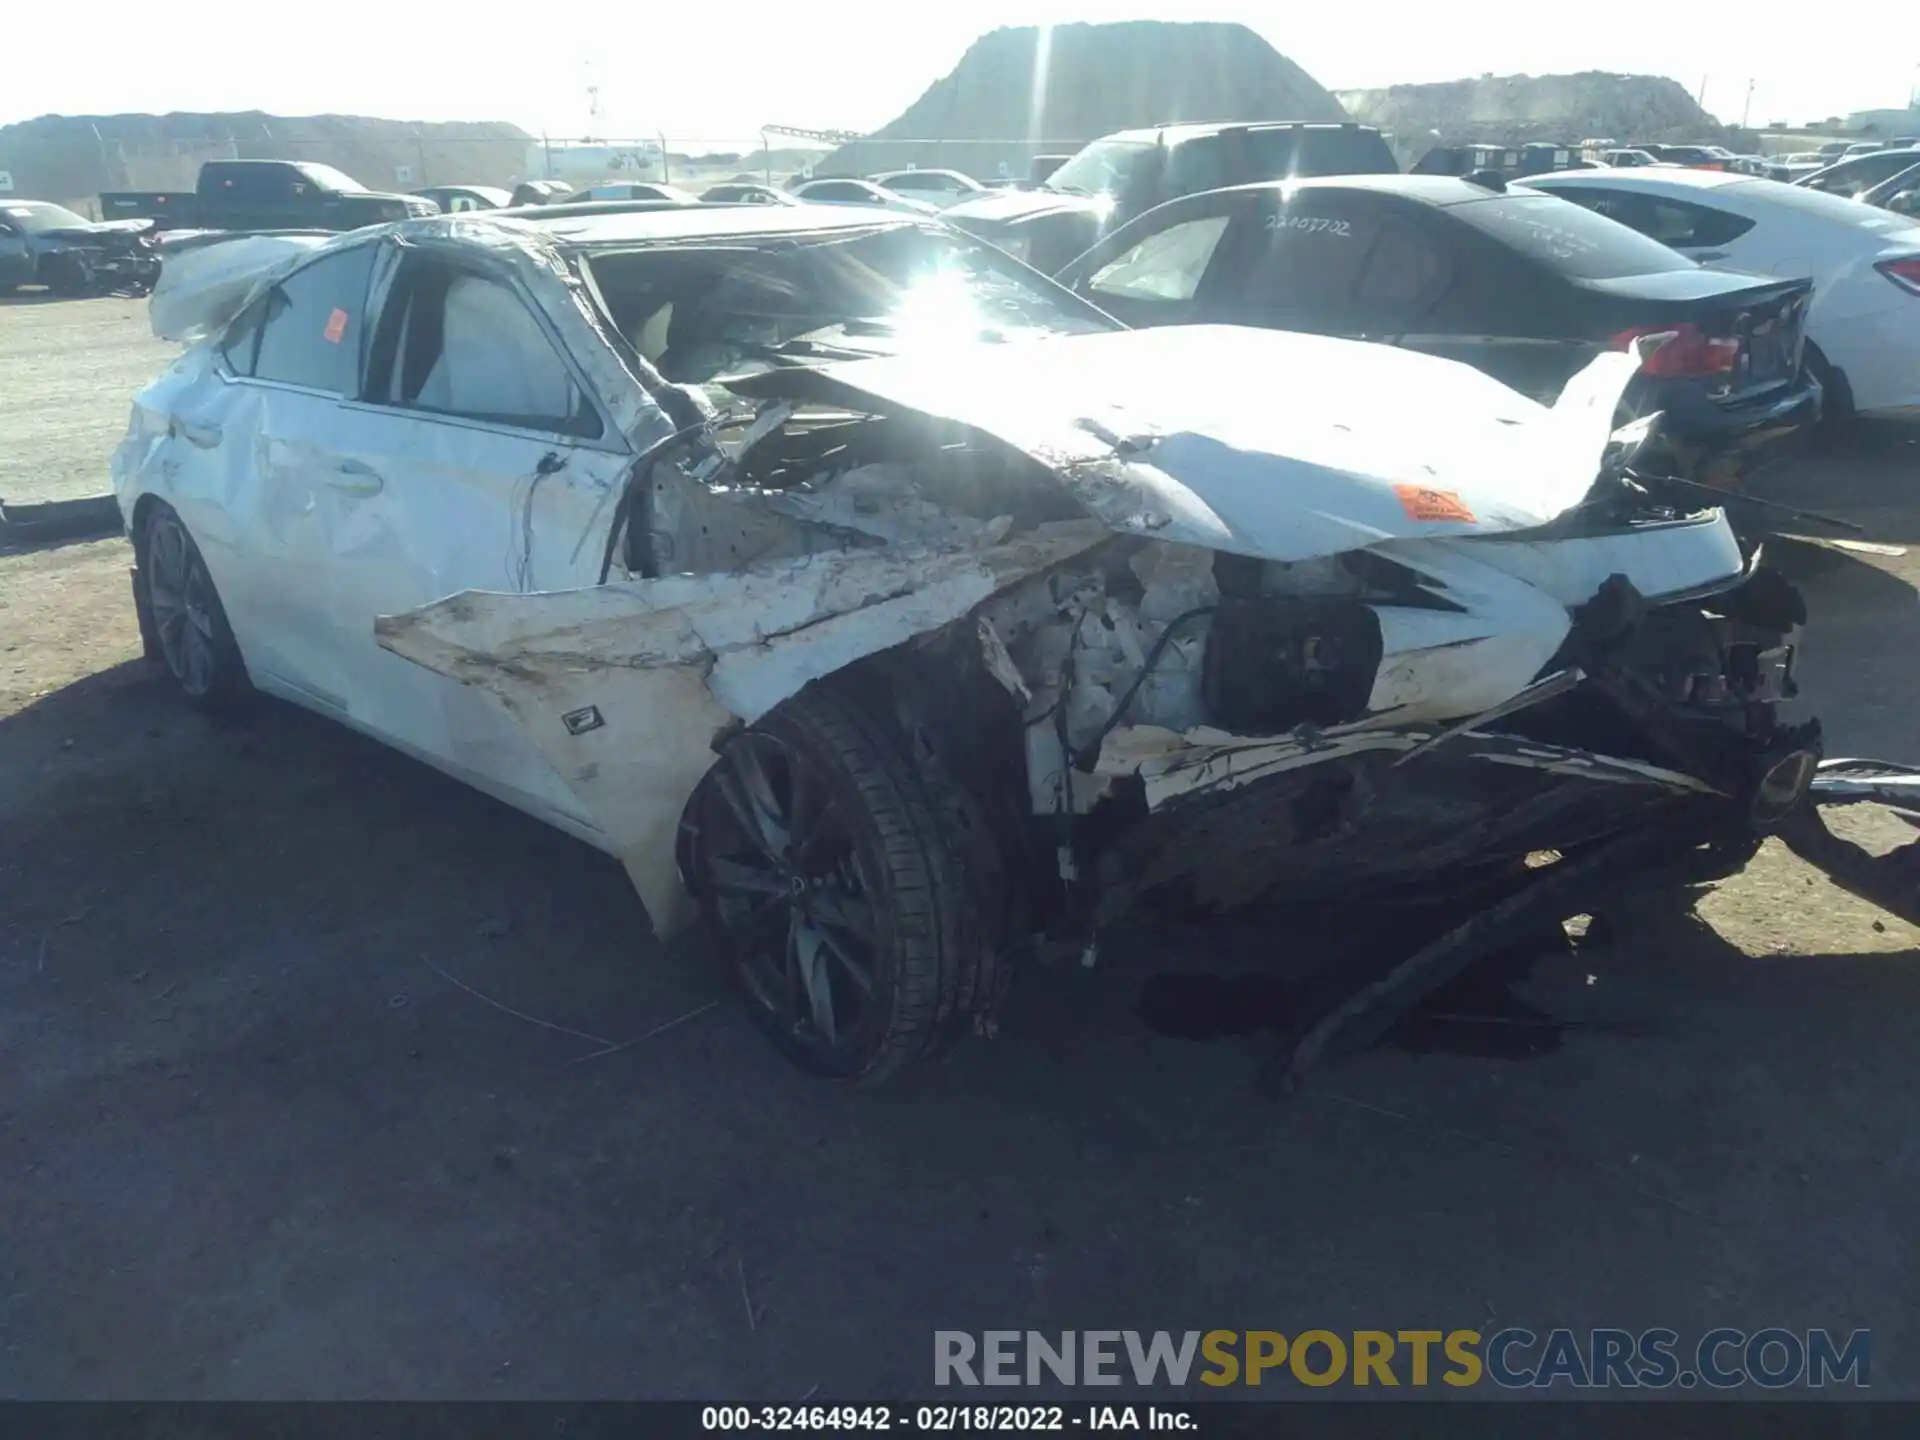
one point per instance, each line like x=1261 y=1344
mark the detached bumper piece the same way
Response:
x=1891 y=881
x=1785 y=800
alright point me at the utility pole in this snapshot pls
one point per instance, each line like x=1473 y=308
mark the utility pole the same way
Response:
x=1746 y=110
x=1701 y=98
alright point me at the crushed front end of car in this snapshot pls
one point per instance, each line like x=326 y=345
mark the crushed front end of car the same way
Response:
x=1196 y=619
x=110 y=258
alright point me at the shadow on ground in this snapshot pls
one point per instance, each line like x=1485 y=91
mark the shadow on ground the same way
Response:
x=262 y=1135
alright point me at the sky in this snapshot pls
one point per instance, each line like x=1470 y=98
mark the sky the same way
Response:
x=701 y=72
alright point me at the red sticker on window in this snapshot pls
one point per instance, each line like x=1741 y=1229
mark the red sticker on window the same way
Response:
x=1420 y=503
x=336 y=327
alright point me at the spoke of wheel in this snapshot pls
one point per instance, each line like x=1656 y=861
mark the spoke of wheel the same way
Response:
x=196 y=658
x=165 y=591
x=197 y=598
x=834 y=906
x=810 y=956
x=734 y=877
x=761 y=947
x=808 y=805
x=844 y=955
x=734 y=797
x=759 y=793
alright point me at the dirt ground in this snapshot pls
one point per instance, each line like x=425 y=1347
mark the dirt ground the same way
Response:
x=261 y=1135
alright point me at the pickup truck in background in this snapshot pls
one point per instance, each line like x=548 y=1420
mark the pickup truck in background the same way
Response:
x=266 y=195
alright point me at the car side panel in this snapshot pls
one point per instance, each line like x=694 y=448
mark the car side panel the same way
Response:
x=1861 y=322
x=431 y=508
x=199 y=441
x=16 y=260
x=1870 y=329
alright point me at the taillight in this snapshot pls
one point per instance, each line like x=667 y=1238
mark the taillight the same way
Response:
x=1904 y=273
x=1681 y=349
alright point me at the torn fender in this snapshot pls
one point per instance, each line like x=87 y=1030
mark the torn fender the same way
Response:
x=625 y=687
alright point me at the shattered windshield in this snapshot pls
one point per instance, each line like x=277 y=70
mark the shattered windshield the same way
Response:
x=1107 y=167
x=745 y=304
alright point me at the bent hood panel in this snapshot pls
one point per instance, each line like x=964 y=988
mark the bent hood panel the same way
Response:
x=1258 y=442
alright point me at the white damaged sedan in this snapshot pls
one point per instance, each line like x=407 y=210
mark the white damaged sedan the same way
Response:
x=907 y=620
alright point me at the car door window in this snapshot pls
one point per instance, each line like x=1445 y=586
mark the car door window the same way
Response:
x=1308 y=267
x=1675 y=223
x=306 y=330
x=1407 y=272
x=468 y=346
x=1166 y=265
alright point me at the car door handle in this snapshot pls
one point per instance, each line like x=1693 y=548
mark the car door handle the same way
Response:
x=199 y=433
x=350 y=477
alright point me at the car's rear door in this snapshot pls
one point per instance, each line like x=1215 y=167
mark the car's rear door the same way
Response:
x=16 y=260
x=261 y=494
x=477 y=458
x=1373 y=267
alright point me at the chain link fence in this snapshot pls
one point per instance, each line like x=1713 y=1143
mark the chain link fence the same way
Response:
x=73 y=162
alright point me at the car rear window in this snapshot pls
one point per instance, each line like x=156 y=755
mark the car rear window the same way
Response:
x=1828 y=207
x=1308 y=153
x=1567 y=238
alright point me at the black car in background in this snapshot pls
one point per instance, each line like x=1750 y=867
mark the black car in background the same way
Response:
x=459 y=199
x=265 y=195
x=744 y=192
x=1106 y=183
x=1511 y=162
x=1524 y=287
x=539 y=192
x=1851 y=178
x=46 y=244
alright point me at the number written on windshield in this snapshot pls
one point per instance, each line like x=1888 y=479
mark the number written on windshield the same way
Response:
x=1312 y=224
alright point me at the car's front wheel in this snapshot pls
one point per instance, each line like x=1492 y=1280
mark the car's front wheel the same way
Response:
x=187 y=623
x=822 y=872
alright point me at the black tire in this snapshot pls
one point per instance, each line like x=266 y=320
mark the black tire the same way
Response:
x=817 y=811
x=182 y=612
x=1835 y=428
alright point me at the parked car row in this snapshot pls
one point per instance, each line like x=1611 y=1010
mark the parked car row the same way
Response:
x=1863 y=317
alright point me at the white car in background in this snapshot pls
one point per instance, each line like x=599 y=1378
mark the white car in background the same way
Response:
x=1863 y=325
x=633 y=190
x=939 y=188
x=860 y=192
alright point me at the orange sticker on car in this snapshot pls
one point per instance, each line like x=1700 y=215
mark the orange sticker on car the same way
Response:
x=1420 y=503
x=336 y=327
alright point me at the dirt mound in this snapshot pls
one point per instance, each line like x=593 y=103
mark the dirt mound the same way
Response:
x=1021 y=92
x=1504 y=108
x=73 y=157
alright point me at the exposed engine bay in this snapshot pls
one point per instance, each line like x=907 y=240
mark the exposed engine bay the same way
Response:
x=1164 y=695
